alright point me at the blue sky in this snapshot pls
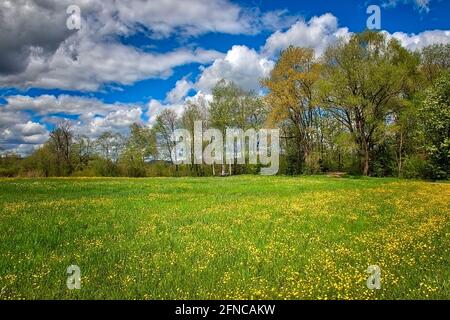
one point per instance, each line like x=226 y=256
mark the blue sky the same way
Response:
x=131 y=60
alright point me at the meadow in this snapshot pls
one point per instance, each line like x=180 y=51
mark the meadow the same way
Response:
x=246 y=237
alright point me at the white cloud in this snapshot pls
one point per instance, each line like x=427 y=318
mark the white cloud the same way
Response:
x=278 y=19
x=21 y=132
x=316 y=33
x=421 y=40
x=93 y=117
x=155 y=107
x=242 y=65
x=180 y=91
x=188 y=17
x=319 y=32
x=19 y=149
x=84 y=64
x=116 y=121
x=64 y=104
x=37 y=49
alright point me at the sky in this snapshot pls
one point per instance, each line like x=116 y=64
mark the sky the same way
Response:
x=129 y=60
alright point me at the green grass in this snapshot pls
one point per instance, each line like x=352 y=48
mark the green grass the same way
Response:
x=224 y=238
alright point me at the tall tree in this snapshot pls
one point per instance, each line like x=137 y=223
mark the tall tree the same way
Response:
x=363 y=79
x=61 y=143
x=140 y=146
x=195 y=112
x=83 y=148
x=291 y=97
x=223 y=108
x=435 y=59
x=435 y=123
x=110 y=145
x=166 y=124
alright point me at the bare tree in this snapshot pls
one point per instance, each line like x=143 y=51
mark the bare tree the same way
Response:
x=195 y=112
x=166 y=124
x=61 y=142
x=110 y=145
x=83 y=148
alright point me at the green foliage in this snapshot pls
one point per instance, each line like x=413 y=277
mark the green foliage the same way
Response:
x=363 y=80
x=9 y=165
x=166 y=124
x=415 y=167
x=43 y=162
x=435 y=124
x=435 y=61
x=292 y=91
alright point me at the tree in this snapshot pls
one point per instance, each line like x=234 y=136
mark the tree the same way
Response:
x=43 y=161
x=166 y=124
x=140 y=146
x=363 y=79
x=61 y=144
x=223 y=109
x=83 y=148
x=291 y=97
x=435 y=60
x=110 y=145
x=142 y=139
x=194 y=112
x=435 y=125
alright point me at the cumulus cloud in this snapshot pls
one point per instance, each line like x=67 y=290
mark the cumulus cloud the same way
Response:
x=119 y=64
x=38 y=50
x=246 y=67
x=63 y=104
x=28 y=26
x=17 y=129
x=189 y=17
x=321 y=31
x=155 y=107
x=317 y=33
x=116 y=121
x=181 y=90
x=90 y=117
x=19 y=149
x=242 y=65
x=421 y=40
x=82 y=63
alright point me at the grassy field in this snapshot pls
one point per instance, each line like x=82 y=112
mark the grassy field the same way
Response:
x=228 y=238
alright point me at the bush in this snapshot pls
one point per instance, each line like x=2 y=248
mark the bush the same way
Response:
x=434 y=171
x=414 y=167
x=85 y=172
x=313 y=163
x=102 y=167
x=9 y=172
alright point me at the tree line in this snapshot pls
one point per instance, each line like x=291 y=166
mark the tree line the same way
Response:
x=367 y=106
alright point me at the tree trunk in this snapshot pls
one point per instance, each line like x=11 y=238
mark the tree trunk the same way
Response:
x=366 y=160
x=400 y=159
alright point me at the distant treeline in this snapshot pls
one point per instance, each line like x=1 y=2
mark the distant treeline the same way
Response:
x=367 y=106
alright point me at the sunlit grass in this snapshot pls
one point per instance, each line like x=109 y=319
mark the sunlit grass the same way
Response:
x=227 y=238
